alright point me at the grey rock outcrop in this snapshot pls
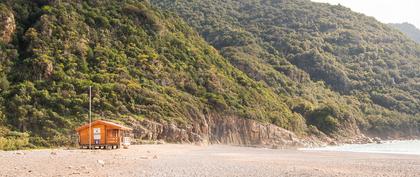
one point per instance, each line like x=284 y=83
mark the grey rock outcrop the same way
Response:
x=218 y=129
x=7 y=24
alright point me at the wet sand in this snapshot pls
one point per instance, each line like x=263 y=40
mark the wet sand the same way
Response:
x=218 y=160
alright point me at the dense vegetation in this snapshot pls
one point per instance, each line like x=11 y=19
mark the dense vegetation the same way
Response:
x=303 y=66
x=335 y=66
x=408 y=29
x=142 y=63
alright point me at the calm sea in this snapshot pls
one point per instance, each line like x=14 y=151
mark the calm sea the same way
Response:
x=394 y=147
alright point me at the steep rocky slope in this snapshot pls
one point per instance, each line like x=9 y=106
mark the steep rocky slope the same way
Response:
x=279 y=73
x=144 y=66
x=336 y=66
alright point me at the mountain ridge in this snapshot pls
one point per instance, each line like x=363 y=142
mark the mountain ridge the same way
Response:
x=222 y=72
x=408 y=29
x=354 y=55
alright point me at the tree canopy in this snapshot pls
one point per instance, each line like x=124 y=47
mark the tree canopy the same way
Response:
x=321 y=55
x=293 y=63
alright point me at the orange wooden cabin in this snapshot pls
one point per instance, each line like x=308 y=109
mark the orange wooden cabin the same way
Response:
x=104 y=134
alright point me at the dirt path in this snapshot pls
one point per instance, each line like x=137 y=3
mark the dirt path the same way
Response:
x=188 y=160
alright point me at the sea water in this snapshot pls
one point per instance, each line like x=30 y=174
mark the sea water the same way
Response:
x=393 y=147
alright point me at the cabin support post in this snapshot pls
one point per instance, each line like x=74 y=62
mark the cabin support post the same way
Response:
x=106 y=135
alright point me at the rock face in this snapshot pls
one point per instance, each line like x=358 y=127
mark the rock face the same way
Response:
x=233 y=130
x=221 y=129
x=217 y=129
x=7 y=24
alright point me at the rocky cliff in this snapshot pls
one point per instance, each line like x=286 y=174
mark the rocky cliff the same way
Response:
x=7 y=24
x=232 y=130
x=347 y=74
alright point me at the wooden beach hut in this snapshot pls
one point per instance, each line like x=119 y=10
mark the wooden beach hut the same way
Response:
x=103 y=135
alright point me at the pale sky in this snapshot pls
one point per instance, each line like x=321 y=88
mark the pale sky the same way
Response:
x=386 y=11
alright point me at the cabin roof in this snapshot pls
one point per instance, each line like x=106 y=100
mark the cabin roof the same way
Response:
x=103 y=122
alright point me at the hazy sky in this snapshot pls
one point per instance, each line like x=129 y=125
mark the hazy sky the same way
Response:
x=387 y=11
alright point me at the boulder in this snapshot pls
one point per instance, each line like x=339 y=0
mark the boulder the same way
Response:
x=19 y=153
x=377 y=140
x=101 y=162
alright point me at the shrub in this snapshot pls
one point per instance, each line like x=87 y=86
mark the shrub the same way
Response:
x=47 y=9
x=15 y=141
x=323 y=118
x=216 y=101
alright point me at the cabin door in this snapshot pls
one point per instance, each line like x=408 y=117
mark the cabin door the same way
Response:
x=112 y=136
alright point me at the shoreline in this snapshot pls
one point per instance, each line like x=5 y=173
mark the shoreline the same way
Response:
x=401 y=147
x=212 y=160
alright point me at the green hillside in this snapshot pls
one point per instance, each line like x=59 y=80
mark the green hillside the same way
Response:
x=142 y=64
x=302 y=66
x=371 y=72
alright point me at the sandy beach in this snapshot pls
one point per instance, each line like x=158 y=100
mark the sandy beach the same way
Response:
x=189 y=160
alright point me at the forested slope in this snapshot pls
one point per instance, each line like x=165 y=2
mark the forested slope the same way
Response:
x=310 y=68
x=371 y=72
x=142 y=64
